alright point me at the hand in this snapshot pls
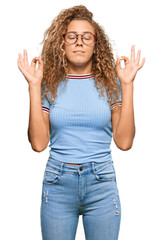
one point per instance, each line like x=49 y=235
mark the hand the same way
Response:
x=32 y=75
x=126 y=75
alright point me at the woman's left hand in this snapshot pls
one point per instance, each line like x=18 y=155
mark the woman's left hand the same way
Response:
x=126 y=75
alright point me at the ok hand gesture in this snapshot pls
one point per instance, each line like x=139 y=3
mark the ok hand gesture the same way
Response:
x=32 y=75
x=126 y=75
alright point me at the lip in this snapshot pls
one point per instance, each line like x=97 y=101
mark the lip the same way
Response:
x=78 y=51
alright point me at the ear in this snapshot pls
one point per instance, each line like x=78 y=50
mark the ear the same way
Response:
x=62 y=47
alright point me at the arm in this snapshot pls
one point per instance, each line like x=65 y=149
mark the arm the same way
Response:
x=123 y=119
x=38 y=129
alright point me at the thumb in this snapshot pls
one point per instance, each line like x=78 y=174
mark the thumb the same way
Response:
x=40 y=63
x=118 y=64
x=126 y=59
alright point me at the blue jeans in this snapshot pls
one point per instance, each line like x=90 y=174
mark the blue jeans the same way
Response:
x=89 y=189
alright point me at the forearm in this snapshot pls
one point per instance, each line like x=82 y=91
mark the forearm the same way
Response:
x=37 y=132
x=125 y=130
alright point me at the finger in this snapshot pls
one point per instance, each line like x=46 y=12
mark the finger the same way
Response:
x=21 y=67
x=138 y=57
x=118 y=64
x=25 y=58
x=126 y=59
x=21 y=60
x=132 y=58
x=33 y=62
x=40 y=66
x=141 y=64
x=19 y=64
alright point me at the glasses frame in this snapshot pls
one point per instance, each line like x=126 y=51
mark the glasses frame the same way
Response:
x=77 y=34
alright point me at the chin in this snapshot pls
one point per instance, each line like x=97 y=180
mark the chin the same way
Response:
x=79 y=62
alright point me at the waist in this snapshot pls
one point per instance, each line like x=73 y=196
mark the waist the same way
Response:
x=73 y=163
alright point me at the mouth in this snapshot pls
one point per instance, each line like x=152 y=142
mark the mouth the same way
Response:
x=78 y=51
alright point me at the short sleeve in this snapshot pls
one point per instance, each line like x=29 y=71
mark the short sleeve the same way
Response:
x=45 y=104
x=118 y=103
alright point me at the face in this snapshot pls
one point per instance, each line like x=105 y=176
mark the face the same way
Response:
x=84 y=57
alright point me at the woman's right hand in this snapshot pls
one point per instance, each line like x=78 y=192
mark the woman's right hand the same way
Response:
x=32 y=75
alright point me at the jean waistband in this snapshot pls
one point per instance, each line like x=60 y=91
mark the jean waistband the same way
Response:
x=83 y=167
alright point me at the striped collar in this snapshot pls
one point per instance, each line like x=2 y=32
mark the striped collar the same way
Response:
x=80 y=76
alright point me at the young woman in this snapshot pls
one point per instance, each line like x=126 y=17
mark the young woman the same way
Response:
x=79 y=98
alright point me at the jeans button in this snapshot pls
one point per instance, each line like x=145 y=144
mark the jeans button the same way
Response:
x=81 y=168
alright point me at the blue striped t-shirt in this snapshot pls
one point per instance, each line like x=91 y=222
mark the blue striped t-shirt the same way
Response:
x=80 y=122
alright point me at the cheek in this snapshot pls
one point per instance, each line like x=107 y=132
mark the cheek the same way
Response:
x=91 y=51
x=68 y=52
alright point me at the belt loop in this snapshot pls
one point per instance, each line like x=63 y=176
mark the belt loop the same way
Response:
x=61 y=166
x=93 y=167
x=79 y=172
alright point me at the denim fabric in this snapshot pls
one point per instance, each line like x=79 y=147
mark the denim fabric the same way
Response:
x=89 y=189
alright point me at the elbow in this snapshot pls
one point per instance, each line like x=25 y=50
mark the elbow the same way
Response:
x=37 y=145
x=38 y=148
x=125 y=146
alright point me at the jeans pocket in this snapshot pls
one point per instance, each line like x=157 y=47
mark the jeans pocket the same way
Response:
x=52 y=174
x=105 y=172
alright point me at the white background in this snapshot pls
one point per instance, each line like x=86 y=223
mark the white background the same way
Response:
x=139 y=170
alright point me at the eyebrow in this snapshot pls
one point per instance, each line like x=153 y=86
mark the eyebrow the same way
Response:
x=82 y=32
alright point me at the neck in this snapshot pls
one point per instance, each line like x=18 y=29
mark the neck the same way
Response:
x=82 y=69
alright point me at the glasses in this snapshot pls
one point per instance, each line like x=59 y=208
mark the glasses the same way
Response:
x=87 y=38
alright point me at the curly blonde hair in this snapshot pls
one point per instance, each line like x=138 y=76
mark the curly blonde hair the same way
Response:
x=56 y=63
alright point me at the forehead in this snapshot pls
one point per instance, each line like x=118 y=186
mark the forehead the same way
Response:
x=80 y=26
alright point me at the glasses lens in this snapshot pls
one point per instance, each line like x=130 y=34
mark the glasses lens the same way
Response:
x=70 y=38
x=88 y=38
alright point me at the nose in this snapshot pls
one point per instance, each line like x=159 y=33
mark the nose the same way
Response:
x=79 y=40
